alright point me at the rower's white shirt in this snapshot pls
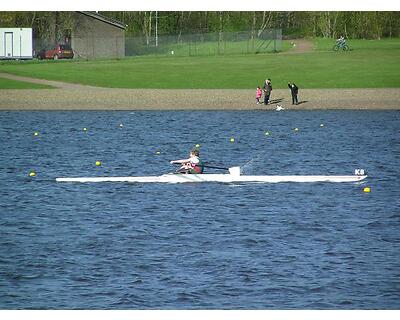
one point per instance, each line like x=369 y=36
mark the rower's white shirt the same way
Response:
x=194 y=160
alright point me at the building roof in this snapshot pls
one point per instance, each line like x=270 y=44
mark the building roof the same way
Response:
x=104 y=19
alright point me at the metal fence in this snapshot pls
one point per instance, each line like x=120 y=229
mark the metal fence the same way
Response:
x=197 y=44
x=206 y=44
x=87 y=47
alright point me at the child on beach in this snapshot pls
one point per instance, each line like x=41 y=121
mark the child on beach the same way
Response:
x=258 y=95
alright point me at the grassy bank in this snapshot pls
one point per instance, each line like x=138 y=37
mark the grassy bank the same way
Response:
x=359 y=44
x=369 y=65
x=12 y=84
x=210 y=48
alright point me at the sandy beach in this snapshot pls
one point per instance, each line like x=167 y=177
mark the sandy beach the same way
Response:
x=66 y=96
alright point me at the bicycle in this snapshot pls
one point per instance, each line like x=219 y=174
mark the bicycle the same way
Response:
x=340 y=46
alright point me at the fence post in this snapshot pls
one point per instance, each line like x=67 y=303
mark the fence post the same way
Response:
x=223 y=35
x=219 y=40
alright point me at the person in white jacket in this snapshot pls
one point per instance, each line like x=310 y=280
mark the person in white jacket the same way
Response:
x=191 y=165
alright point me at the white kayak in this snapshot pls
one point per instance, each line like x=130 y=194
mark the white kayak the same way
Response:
x=233 y=177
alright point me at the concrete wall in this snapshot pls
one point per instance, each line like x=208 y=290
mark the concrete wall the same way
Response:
x=91 y=38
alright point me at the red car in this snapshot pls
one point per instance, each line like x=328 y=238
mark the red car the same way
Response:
x=61 y=51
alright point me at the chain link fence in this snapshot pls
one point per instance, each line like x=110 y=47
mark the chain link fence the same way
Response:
x=206 y=44
x=86 y=48
x=198 y=44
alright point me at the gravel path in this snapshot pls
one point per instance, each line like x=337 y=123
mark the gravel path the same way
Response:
x=301 y=46
x=78 y=97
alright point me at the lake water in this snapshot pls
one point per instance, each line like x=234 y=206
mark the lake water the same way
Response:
x=199 y=246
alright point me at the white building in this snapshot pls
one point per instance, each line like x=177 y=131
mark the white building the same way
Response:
x=16 y=43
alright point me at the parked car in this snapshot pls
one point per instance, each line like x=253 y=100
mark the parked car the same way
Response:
x=61 y=51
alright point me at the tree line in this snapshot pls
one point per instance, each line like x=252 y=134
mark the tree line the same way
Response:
x=350 y=24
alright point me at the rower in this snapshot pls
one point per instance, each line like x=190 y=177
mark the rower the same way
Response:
x=191 y=165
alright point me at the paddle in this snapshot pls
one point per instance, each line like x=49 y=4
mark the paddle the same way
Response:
x=215 y=167
x=232 y=170
x=209 y=166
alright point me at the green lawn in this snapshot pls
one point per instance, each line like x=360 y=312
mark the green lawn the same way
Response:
x=359 y=44
x=372 y=64
x=208 y=48
x=12 y=84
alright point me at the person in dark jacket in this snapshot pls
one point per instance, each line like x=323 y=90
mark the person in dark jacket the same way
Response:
x=267 y=90
x=294 y=90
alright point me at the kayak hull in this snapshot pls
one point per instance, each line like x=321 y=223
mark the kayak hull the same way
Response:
x=222 y=178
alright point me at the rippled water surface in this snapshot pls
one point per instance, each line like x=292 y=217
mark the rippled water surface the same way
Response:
x=199 y=246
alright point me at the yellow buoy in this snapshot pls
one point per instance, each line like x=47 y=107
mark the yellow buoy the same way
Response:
x=36 y=133
x=98 y=163
x=121 y=125
x=32 y=173
x=321 y=125
x=197 y=145
x=232 y=140
x=367 y=189
x=85 y=129
x=296 y=129
x=158 y=152
x=267 y=133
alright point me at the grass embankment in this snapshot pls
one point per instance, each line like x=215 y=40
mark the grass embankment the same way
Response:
x=371 y=64
x=324 y=44
x=211 y=48
x=12 y=84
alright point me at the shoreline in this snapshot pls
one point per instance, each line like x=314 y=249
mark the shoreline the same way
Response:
x=90 y=98
x=67 y=96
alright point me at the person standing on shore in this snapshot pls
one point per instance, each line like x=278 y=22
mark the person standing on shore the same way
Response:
x=294 y=90
x=267 y=90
